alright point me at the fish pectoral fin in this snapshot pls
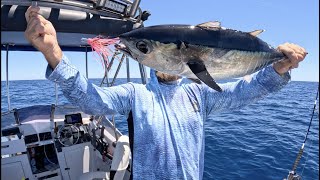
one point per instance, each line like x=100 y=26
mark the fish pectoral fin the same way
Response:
x=256 y=32
x=200 y=70
x=210 y=25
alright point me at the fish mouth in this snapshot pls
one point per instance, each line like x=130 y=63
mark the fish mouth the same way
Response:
x=123 y=48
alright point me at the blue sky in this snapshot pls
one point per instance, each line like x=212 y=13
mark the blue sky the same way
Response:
x=294 y=21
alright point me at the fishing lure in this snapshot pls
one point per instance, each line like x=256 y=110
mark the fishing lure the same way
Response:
x=101 y=45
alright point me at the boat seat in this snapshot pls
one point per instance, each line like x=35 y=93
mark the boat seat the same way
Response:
x=95 y=175
x=121 y=158
x=119 y=165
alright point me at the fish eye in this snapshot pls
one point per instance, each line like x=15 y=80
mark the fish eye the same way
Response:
x=143 y=47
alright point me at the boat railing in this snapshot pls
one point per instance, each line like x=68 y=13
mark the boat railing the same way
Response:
x=110 y=8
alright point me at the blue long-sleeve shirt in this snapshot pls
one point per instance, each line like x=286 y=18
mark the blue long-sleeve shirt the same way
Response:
x=168 y=118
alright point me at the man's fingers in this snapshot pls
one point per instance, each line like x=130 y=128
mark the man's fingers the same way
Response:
x=37 y=29
x=287 y=51
x=297 y=48
x=300 y=57
x=301 y=54
x=294 y=53
x=30 y=10
x=282 y=66
x=295 y=66
x=289 y=63
x=286 y=63
x=38 y=16
x=40 y=29
x=33 y=22
x=37 y=23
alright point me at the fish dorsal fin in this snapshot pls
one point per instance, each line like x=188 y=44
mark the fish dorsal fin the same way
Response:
x=210 y=25
x=256 y=32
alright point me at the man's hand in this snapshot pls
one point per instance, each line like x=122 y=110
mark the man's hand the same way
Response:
x=295 y=54
x=42 y=35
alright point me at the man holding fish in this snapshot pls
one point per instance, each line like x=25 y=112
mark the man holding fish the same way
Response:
x=169 y=115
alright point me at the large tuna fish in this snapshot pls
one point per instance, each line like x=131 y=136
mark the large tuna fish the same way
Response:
x=206 y=51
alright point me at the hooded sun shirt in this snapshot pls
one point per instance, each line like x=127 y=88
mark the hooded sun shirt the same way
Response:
x=168 y=118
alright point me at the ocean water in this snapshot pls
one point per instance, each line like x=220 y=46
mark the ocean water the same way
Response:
x=258 y=142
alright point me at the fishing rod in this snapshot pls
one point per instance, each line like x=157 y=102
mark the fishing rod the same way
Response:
x=292 y=174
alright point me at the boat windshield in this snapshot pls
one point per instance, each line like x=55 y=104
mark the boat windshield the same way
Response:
x=40 y=112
